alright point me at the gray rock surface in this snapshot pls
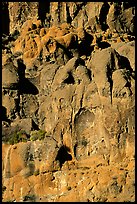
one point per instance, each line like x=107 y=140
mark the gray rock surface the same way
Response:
x=68 y=102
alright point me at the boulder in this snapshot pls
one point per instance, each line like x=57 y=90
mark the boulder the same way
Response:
x=10 y=77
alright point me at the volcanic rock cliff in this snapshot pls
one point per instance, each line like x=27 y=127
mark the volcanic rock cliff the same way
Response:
x=68 y=101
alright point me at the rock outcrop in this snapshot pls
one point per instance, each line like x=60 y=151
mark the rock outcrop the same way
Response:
x=68 y=102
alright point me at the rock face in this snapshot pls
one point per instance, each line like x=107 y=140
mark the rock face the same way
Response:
x=68 y=102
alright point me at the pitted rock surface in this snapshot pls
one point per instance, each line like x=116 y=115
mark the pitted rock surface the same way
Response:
x=68 y=102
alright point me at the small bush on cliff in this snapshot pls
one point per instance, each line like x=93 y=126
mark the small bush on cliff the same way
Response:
x=37 y=135
x=16 y=137
x=36 y=172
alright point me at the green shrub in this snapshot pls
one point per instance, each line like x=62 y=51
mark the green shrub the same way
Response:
x=37 y=135
x=33 y=137
x=16 y=137
x=41 y=134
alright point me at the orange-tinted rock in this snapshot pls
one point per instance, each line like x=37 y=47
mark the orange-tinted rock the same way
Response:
x=74 y=94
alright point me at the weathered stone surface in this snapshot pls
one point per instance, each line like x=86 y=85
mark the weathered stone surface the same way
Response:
x=68 y=102
x=126 y=16
x=10 y=77
x=96 y=15
x=19 y=12
x=25 y=124
x=64 y=185
x=127 y=50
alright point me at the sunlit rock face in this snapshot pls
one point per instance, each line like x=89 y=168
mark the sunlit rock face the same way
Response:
x=68 y=102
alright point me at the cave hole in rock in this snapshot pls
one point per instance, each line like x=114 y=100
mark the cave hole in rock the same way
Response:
x=63 y=155
x=70 y=79
x=43 y=9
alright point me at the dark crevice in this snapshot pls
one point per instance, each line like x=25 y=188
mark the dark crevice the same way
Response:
x=79 y=7
x=66 y=51
x=80 y=61
x=5 y=20
x=70 y=79
x=124 y=63
x=21 y=69
x=59 y=11
x=17 y=104
x=4 y=114
x=78 y=113
x=34 y=126
x=43 y=9
x=81 y=100
x=118 y=139
x=75 y=150
x=84 y=48
x=113 y=64
x=117 y=9
x=69 y=19
x=89 y=73
x=103 y=45
x=127 y=4
x=103 y=16
x=63 y=155
x=109 y=76
x=25 y=86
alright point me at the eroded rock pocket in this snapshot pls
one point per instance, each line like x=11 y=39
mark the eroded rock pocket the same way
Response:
x=84 y=119
x=63 y=155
